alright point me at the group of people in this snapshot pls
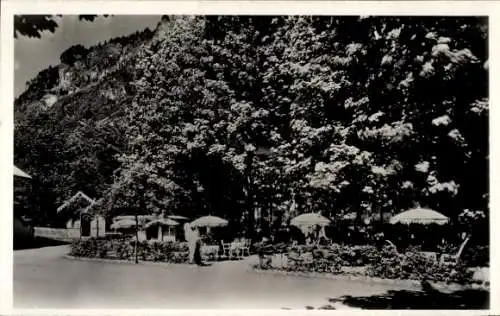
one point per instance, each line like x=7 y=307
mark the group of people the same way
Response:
x=194 y=242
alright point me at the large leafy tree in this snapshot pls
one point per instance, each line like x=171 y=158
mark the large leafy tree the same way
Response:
x=370 y=115
x=35 y=25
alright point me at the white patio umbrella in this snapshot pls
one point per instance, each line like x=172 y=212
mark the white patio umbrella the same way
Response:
x=209 y=221
x=310 y=219
x=177 y=217
x=162 y=221
x=19 y=173
x=419 y=216
x=123 y=224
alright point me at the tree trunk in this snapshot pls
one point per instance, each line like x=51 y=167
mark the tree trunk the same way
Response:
x=136 y=237
x=357 y=218
x=250 y=201
x=270 y=216
x=251 y=214
x=381 y=212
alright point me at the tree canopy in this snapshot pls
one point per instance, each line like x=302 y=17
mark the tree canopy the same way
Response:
x=35 y=25
x=370 y=115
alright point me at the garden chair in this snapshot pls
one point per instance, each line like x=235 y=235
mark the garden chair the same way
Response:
x=215 y=251
x=236 y=249
x=447 y=259
x=245 y=247
x=226 y=250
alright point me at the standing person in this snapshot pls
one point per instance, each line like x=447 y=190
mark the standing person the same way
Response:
x=191 y=240
x=196 y=247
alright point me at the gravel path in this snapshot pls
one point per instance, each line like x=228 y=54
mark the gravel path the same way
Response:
x=44 y=278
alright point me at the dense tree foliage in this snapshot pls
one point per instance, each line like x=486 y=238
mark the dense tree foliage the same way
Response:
x=35 y=25
x=73 y=54
x=370 y=115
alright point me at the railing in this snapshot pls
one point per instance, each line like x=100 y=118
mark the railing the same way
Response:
x=63 y=234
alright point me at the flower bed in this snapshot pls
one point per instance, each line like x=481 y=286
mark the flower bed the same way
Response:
x=472 y=256
x=365 y=261
x=123 y=249
x=355 y=256
x=413 y=266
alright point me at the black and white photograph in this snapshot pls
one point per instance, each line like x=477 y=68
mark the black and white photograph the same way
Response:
x=251 y=161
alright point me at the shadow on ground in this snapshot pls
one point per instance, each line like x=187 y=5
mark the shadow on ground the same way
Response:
x=38 y=242
x=427 y=298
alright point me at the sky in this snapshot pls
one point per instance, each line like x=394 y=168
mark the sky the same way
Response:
x=33 y=55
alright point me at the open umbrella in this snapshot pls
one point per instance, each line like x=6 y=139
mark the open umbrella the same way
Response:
x=310 y=219
x=419 y=216
x=19 y=173
x=123 y=224
x=162 y=221
x=209 y=221
x=178 y=217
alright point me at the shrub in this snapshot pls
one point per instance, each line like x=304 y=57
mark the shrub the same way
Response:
x=124 y=249
x=85 y=248
x=358 y=256
x=414 y=266
x=102 y=247
x=472 y=256
x=326 y=260
x=478 y=256
x=74 y=53
x=385 y=263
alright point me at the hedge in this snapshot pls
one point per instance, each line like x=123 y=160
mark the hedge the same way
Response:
x=386 y=263
x=124 y=249
x=414 y=266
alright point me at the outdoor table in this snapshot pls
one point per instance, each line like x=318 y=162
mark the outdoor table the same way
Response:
x=208 y=250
